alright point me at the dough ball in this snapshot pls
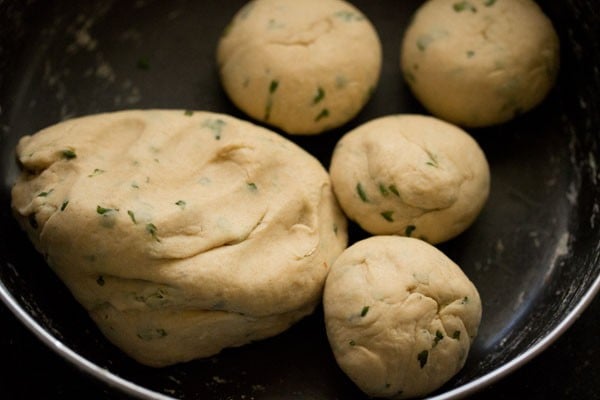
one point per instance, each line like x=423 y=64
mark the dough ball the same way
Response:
x=302 y=66
x=410 y=175
x=181 y=233
x=400 y=316
x=480 y=62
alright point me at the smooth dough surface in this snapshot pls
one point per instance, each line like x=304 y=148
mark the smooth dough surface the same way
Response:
x=181 y=233
x=400 y=316
x=302 y=66
x=480 y=62
x=411 y=175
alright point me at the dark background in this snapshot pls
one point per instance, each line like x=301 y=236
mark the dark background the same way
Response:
x=524 y=155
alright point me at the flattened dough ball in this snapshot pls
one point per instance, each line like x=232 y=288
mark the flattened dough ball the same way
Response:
x=302 y=66
x=410 y=175
x=181 y=233
x=480 y=62
x=400 y=316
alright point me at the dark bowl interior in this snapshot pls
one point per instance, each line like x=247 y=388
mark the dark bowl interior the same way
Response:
x=533 y=252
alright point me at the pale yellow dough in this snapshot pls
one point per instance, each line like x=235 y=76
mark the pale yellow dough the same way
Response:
x=400 y=316
x=181 y=233
x=302 y=66
x=480 y=62
x=410 y=175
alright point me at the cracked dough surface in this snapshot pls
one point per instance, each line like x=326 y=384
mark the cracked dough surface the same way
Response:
x=411 y=175
x=400 y=316
x=302 y=66
x=480 y=62
x=181 y=233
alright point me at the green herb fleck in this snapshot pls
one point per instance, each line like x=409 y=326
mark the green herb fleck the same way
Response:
x=383 y=190
x=100 y=281
x=335 y=229
x=456 y=335
x=348 y=15
x=181 y=203
x=352 y=342
x=364 y=311
x=433 y=161
x=96 y=172
x=151 y=334
x=470 y=54
x=323 y=114
x=135 y=185
x=438 y=336
x=45 y=194
x=422 y=358
x=252 y=186
x=64 y=205
x=268 y=108
x=394 y=190
x=464 y=6
x=489 y=3
x=465 y=300
x=387 y=215
x=272 y=88
x=188 y=113
x=423 y=41
x=341 y=81
x=409 y=230
x=361 y=193
x=68 y=154
x=319 y=96
x=102 y=210
x=215 y=125
x=32 y=221
x=153 y=231
x=132 y=216
x=143 y=64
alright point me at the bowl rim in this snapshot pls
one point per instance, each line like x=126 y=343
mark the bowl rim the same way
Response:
x=136 y=390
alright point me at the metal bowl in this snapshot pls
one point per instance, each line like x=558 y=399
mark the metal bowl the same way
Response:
x=533 y=253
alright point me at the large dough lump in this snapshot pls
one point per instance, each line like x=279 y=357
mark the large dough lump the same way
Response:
x=400 y=316
x=181 y=233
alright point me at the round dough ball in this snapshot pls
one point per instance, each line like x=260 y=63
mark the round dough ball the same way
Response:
x=480 y=62
x=400 y=316
x=181 y=233
x=302 y=66
x=410 y=175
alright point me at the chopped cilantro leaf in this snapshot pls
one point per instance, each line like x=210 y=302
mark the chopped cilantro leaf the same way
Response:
x=319 y=96
x=103 y=210
x=68 y=154
x=387 y=215
x=361 y=193
x=132 y=216
x=324 y=113
x=364 y=311
x=152 y=230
